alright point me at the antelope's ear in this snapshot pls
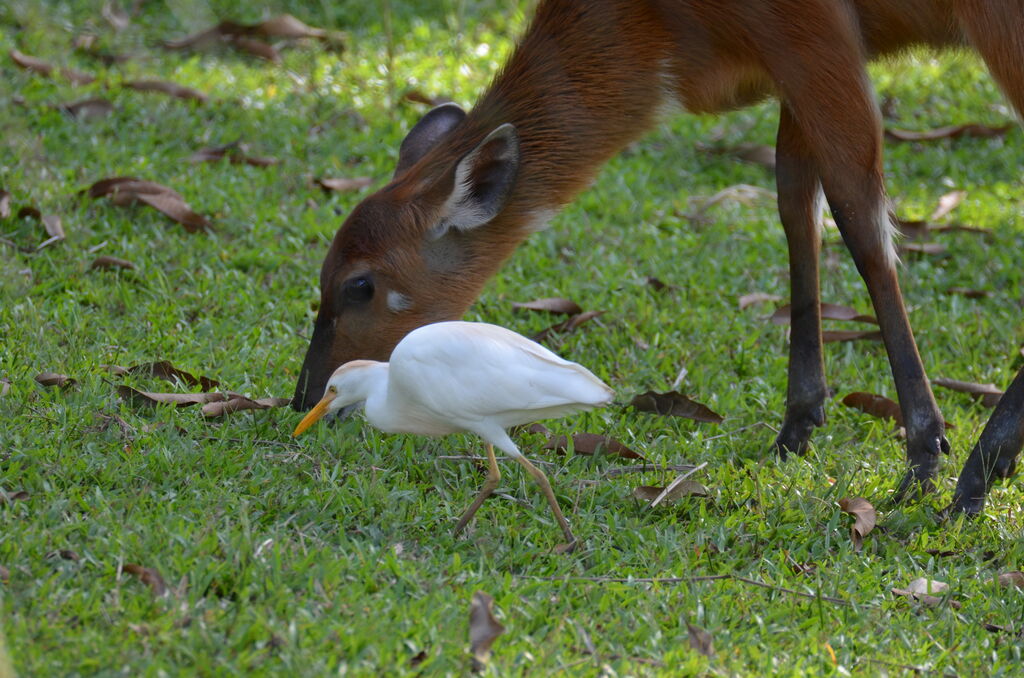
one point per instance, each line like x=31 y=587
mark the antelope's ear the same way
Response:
x=483 y=181
x=425 y=134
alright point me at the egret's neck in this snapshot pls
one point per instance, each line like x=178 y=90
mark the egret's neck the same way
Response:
x=376 y=408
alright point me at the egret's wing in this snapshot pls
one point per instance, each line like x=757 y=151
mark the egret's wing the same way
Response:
x=474 y=371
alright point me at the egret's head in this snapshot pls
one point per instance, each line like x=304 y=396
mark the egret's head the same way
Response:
x=346 y=387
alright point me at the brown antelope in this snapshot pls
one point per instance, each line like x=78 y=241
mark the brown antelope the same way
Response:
x=590 y=76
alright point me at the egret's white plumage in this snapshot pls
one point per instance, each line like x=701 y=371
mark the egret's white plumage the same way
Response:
x=462 y=376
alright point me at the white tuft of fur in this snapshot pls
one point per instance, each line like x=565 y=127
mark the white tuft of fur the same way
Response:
x=398 y=302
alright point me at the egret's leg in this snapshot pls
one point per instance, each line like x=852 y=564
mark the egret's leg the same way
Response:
x=493 y=478
x=545 y=487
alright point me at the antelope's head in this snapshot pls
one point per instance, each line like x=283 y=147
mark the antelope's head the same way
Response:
x=417 y=251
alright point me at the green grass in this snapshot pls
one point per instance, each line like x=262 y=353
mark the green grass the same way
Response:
x=335 y=554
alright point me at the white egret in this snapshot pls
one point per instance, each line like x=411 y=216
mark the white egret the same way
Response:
x=463 y=376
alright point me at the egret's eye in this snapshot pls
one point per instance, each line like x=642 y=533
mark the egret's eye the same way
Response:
x=333 y=390
x=357 y=290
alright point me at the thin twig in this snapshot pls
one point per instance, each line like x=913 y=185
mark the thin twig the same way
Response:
x=646 y=468
x=674 y=484
x=812 y=596
x=906 y=667
x=740 y=429
x=258 y=441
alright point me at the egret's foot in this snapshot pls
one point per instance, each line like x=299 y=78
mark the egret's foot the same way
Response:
x=491 y=484
x=924 y=464
x=795 y=434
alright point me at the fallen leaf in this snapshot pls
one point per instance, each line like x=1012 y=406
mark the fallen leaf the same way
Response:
x=241 y=35
x=5 y=386
x=923 y=590
x=988 y=394
x=20 y=495
x=418 y=97
x=88 y=109
x=164 y=369
x=5 y=575
x=1014 y=579
x=758 y=154
x=41 y=67
x=115 y=16
x=257 y=48
x=483 y=629
x=864 y=517
x=685 y=488
x=63 y=554
x=659 y=285
x=128 y=190
x=674 y=404
x=832 y=336
x=54 y=229
x=875 y=405
x=947 y=203
x=5 y=204
x=949 y=132
x=700 y=640
x=106 y=262
x=169 y=88
x=783 y=314
x=236 y=153
x=568 y=325
x=287 y=26
x=240 y=403
x=148 y=576
x=342 y=184
x=551 y=305
x=590 y=443
x=54 y=379
x=969 y=293
x=757 y=298
x=149 y=398
x=913 y=228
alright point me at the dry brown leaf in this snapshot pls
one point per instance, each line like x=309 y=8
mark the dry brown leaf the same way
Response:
x=483 y=629
x=832 y=336
x=658 y=285
x=685 y=488
x=257 y=48
x=343 y=184
x=148 y=576
x=924 y=590
x=115 y=16
x=674 y=404
x=589 y=444
x=864 y=517
x=54 y=379
x=5 y=386
x=949 y=132
x=169 y=88
x=969 y=293
x=550 y=305
x=1014 y=579
x=783 y=314
x=875 y=405
x=913 y=228
x=127 y=190
x=240 y=403
x=988 y=394
x=5 y=204
x=700 y=640
x=235 y=152
x=41 y=67
x=88 y=109
x=418 y=97
x=20 y=495
x=287 y=26
x=54 y=229
x=568 y=325
x=164 y=369
x=107 y=262
x=5 y=575
x=947 y=203
x=64 y=554
x=149 y=398
x=757 y=298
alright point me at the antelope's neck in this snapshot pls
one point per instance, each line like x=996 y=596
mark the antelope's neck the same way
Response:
x=588 y=78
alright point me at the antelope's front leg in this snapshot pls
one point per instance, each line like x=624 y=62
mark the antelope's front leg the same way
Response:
x=796 y=176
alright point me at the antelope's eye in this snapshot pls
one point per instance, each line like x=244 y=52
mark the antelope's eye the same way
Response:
x=357 y=290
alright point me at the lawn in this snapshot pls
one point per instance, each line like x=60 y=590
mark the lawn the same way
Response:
x=333 y=553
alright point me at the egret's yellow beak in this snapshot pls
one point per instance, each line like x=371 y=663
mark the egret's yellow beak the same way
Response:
x=314 y=415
